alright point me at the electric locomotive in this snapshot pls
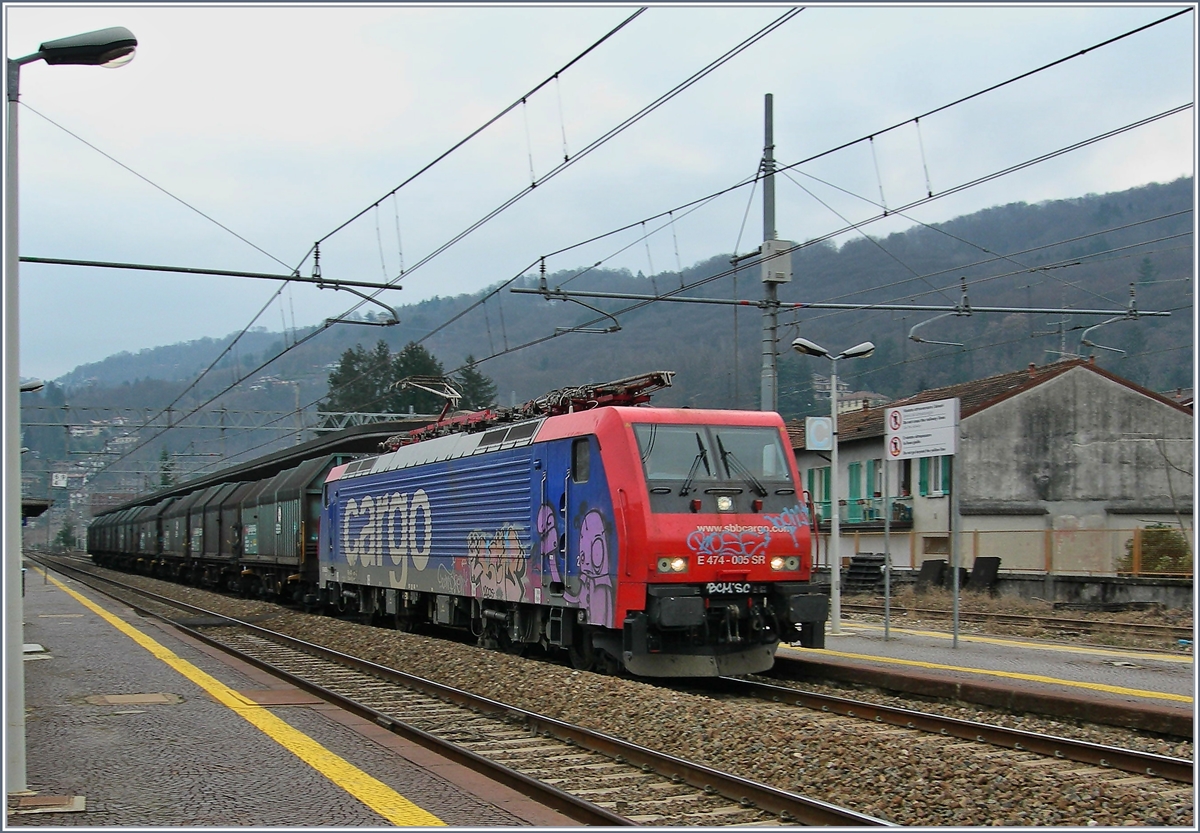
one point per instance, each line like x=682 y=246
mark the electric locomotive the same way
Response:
x=670 y=542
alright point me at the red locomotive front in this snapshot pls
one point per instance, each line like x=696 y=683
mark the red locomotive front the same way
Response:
x=714 y=564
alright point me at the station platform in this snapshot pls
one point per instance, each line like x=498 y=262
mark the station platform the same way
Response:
x=131 y=723
x=1112 y=685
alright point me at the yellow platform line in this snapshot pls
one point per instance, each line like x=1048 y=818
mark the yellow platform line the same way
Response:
x=1014 y=675
x=381 y=798
x=1181 y=659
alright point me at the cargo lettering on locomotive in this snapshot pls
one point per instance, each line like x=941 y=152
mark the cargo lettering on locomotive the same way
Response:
x=388 y=525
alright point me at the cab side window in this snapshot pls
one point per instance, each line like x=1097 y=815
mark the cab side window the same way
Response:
x=580 y=460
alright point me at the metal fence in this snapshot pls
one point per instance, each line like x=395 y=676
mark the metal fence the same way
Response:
x=867 y=510
x=1148 y=551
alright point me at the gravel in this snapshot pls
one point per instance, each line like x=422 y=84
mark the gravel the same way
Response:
x=905 y=777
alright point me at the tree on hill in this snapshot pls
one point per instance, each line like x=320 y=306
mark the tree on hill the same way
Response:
x=478 y=391
x=795 y=395
x=65 y=539
x=359 y=382
x=166 y=469
x=364 y=381
x=1147 y=271
x=415 y=360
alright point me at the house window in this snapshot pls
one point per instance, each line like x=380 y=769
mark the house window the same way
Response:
x=934 y=475
x=818 y=484
x=875 y=478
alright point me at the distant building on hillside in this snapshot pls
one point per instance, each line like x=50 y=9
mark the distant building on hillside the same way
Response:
x=820 y=386
x=860 y=400
x=102 y=502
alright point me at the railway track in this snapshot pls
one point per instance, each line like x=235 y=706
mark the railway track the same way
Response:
x=1106 y=757
x=595 y=778
x=1166 y=632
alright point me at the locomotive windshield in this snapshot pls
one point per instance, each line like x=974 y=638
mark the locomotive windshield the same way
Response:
x=700 y=454
x=755 y=451
x=673 y=452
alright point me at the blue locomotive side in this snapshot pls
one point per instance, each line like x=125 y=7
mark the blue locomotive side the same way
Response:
x=528 y=524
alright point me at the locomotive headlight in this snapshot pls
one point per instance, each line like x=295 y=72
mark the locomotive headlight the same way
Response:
x=790 y=563
x=672 y=565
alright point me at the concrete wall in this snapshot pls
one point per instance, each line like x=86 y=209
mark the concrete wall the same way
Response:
x=1081 y=438
x=1171 y=593
x=1176 y=594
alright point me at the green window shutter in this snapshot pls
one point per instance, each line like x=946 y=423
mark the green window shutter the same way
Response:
x=923 y=476
x=810 y=484
x=825 y=481
x=871 y=464
x=854 y=475
x=946 y=461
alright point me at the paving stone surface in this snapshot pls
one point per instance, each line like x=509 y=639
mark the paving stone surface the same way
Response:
x=146 y=747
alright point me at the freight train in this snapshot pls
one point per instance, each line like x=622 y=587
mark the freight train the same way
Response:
x=667 y=542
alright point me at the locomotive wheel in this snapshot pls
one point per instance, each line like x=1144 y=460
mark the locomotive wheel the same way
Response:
x=583 y=657
x=581 y=651
x=507 y=645
x=404 y=624
x=606 y=663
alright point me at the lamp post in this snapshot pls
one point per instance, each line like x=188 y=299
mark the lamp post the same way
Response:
x=858 y=351
x=107 y=47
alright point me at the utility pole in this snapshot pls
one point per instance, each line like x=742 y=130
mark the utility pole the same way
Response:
x=776 y=266
x=768 y=400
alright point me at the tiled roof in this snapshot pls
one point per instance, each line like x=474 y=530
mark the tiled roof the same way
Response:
x=973 y=397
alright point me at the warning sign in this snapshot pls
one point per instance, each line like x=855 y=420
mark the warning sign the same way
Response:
x=929 y=429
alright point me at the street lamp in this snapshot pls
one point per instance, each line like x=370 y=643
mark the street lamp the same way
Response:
x=858 y=351
x=111 y=48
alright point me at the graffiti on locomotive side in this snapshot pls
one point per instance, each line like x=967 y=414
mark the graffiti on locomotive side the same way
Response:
x=392 y=526
x=595 y=567
x=497 y=563
x=789 y=521
x=551 y=558
x=451 y=582
x=741 y=544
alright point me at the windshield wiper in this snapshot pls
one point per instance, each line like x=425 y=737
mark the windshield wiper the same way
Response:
x=733 y=464
x=701 y=457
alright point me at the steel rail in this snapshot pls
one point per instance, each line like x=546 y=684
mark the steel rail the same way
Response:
x=1127 y=760
x=788 y=806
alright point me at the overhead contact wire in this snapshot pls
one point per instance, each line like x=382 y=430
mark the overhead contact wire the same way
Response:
x=480 y=129
x=602 y=140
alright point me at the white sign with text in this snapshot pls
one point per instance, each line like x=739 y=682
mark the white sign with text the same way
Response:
x=929 y=429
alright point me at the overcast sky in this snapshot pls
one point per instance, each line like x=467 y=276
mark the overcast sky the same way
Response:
x=282 y=122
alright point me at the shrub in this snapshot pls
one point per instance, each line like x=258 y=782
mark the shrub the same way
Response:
x=1164 y=550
